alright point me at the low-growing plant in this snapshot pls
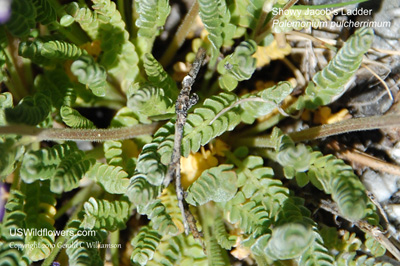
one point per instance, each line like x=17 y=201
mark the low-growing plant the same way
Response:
x=59 y=59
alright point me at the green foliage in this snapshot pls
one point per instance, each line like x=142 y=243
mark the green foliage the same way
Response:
x=121 y=153
x=91 y=74
x=22 y=18
x=73 y=118
x=317 y=254
x=102 y=214
x=216 y=184
x=216 y=18
x=198 y=130
x=10 y=158
x=40 y=210
x=60 y=50
x=13 y=220
x=223 y=238
x=113 y=178
x=212 y=20
x=104 y=61
x=45 y=13
x=30 y=111
x=271 y=97
x=327 y=173
x=329 y=83
x=237 y=66
x=140 y=191
x=149 y=101
x=64 y=165
x=286 y=242
x=179 y=250
x=57 y=85
x=83 y=246
x=152 y=17
x=87 y=20
x=32 y=49
x=145 y=244
x=159 y=77
x=160 y=219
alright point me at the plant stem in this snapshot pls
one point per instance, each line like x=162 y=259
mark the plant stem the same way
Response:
x=350 y=125
x=80 y=134
x=181 y=34
x=347 y=126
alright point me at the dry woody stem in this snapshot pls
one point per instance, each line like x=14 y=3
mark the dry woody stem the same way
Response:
x=184 y=102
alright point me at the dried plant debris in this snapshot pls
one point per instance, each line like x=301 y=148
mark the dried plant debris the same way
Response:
x=221 y=132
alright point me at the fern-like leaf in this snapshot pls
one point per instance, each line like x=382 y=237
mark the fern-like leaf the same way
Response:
x=225 y=240
x=149 y=101
x=121 y=153
x=329 y=83
x=14 y=218
x=61 y=50
x=119 y=57
x=159 y=77
x=327 y=173
x=145 y=244
x=271 y=97
x=210 y=16
x=198 y=130
x=160 y=219
x=179 y=250
x=22 y=18
x=113 y=178
x=82 y=248
x=45 y=13
x=57 y=84
x=152 y=17
x=141 y=192
x=317 y=254
x=90 y=74
x=250 y=214
x=217 y=184
x=238 y=66
x=87 y=20
x=286 y=242
x=63 y=164
x=30 y=111
x=40 y=211
x=102 y=214
x=74 y=119
x=33 y=51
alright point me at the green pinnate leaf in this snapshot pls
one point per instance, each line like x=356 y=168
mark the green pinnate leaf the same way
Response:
x=90 y=74
x=45 y=13
x=159 y=77
x=74 y=119
x=149 y=101
x=61 y=50
x=99 y=214
x=152 y=17
x=237 y=66
x=30 y=111
x=63 y=164
x=329 y=84
x=287 y=241
x=113 y=178
x=217 y=184
x=145 y=244
x=22 y=18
